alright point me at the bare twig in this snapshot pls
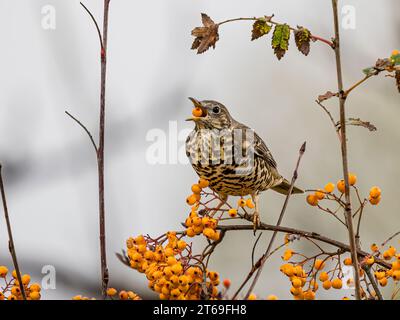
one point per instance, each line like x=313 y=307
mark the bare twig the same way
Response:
x=260 y=264
x=304 y=234
x=271 y=243
x=342 y=102
x=100 y=151
x=11 y=245
x=84 y=128
x=330 y=118
x=100 y=148
x=95 y=23
x=390 y=238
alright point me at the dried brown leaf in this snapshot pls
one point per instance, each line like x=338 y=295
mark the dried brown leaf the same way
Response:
x=326 y=96
x=206 y=36
x=360 y=123
x=397 y=77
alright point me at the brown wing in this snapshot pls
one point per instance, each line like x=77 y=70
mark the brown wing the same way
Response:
x=261 y=150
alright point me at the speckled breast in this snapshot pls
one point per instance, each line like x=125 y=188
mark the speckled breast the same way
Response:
x=228 y=163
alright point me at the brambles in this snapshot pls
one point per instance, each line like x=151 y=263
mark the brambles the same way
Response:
x=11 y=289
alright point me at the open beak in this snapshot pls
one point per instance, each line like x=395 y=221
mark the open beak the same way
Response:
x=196 y=104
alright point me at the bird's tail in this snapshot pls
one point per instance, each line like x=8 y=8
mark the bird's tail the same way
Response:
x=284 y=188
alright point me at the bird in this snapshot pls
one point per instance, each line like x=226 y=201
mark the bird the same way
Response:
x=232 y=157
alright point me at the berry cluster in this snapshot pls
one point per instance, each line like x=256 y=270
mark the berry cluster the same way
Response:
x=12 y=289
x=113 y=294
x=203 y=221
x=171 y=268
x=382 y=275
x=327 y=193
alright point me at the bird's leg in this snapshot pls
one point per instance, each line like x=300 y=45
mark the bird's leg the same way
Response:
x=256 y=215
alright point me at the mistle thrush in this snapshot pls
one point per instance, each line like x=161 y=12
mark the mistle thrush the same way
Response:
x=231 y=156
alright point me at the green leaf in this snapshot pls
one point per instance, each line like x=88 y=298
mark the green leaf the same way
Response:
x=395 y=59
x=302 y=37
x=280 y=40
x=260 y=28
x=369 y=71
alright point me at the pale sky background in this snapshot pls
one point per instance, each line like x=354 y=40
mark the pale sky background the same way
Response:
x=49 y=165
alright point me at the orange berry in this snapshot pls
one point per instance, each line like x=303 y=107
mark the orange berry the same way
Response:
x=323 y=276
x=287 y=269
x=296 y=283
x=396 y=265
x=309 y=295
x=387 y=255
x=375 y=192
x=3 y=271
x=347 y=262
x=287 y=254
x=209 y=233
x=352 y=179
x=374 y=247
x=395 y=52
x=380 y=274
x=35 y=287
x=34 y=295
x=296 y=291
x=370 y=261
x=298 y=271
x=341 y=186
x=320 y=194
x=374 y=201
x=250 y=203
x=319 y=264
x=241 y=202
x=26 y=278
x=203 y=183
x=176 y=268
x=337 y=283
x=312 y=200
x=226 y=283
x=272 y=297
x=191 y=200
x=392 y=250
x=190 y=232
x=252 y=296
x=232 y=212
x=329 y=187
x=327 y=284
x=181 y=244
x=111 y=292
x=197 y=112
x=383 y=282
x=396 y=275
x=196 y=189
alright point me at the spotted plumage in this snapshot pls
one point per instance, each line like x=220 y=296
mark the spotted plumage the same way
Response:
x=230 y=155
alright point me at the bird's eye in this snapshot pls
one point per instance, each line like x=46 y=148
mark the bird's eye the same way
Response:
x=216 y=110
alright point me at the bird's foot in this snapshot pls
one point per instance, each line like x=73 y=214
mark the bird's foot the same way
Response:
x=256 y=221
